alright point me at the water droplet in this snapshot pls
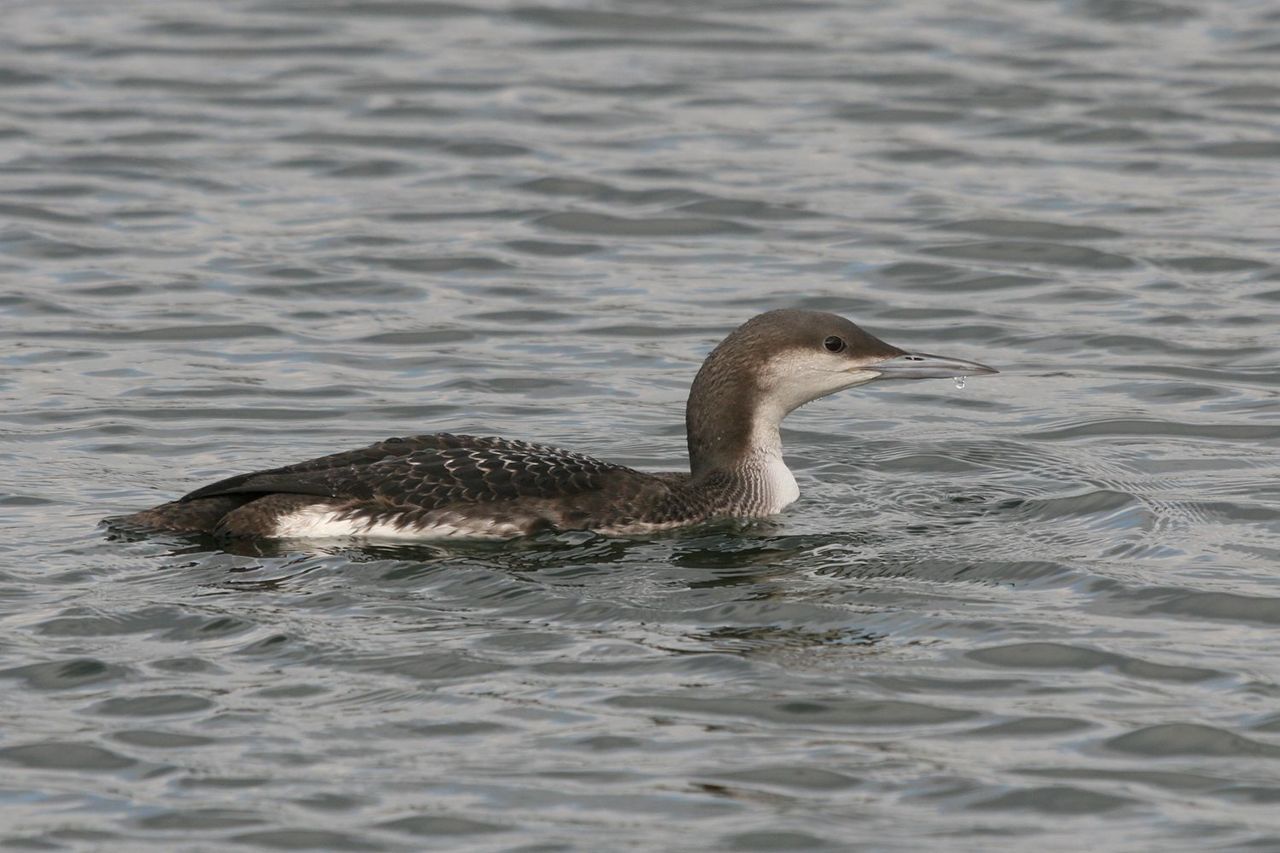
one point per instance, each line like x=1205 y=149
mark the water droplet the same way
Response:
x=960 y=381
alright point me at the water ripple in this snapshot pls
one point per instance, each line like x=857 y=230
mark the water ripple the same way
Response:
x=1040 y=608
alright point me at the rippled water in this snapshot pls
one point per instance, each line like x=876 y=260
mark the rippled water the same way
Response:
x=1037 y=613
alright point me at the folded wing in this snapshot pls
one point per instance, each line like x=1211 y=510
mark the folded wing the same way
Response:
x=429 y=471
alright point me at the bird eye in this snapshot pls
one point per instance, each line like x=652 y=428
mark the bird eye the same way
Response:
x=834 y=344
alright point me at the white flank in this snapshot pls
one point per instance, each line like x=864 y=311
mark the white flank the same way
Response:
x=320 y=523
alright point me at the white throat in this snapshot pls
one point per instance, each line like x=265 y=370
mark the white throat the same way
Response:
x=780 y=489
x=764 y=465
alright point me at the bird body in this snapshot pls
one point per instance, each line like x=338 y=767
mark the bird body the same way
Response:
x=445 y=485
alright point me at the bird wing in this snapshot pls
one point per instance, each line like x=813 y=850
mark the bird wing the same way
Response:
x=429 y=471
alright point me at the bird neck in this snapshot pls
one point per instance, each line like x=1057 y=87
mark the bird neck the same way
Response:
x=732 y=427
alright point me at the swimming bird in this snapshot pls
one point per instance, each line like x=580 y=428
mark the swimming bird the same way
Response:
x=444 y=485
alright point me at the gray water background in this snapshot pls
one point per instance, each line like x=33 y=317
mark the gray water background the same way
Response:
x=1039 y=613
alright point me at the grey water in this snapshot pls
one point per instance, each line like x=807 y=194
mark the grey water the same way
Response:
x=1038 y=613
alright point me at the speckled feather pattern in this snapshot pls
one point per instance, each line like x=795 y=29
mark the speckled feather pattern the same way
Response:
x=465 y=485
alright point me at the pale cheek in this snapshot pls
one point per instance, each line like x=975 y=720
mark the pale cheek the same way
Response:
x=859 y=377
x=795 y=379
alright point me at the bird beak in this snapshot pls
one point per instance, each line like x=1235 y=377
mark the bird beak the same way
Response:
x=920 y=365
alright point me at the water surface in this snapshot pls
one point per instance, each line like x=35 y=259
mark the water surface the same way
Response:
x=1038 y=613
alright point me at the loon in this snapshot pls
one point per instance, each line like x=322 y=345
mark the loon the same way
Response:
x=444 y=485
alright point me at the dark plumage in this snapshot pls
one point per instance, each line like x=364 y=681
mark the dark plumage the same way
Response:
x=443 y=484
x=423 y=481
